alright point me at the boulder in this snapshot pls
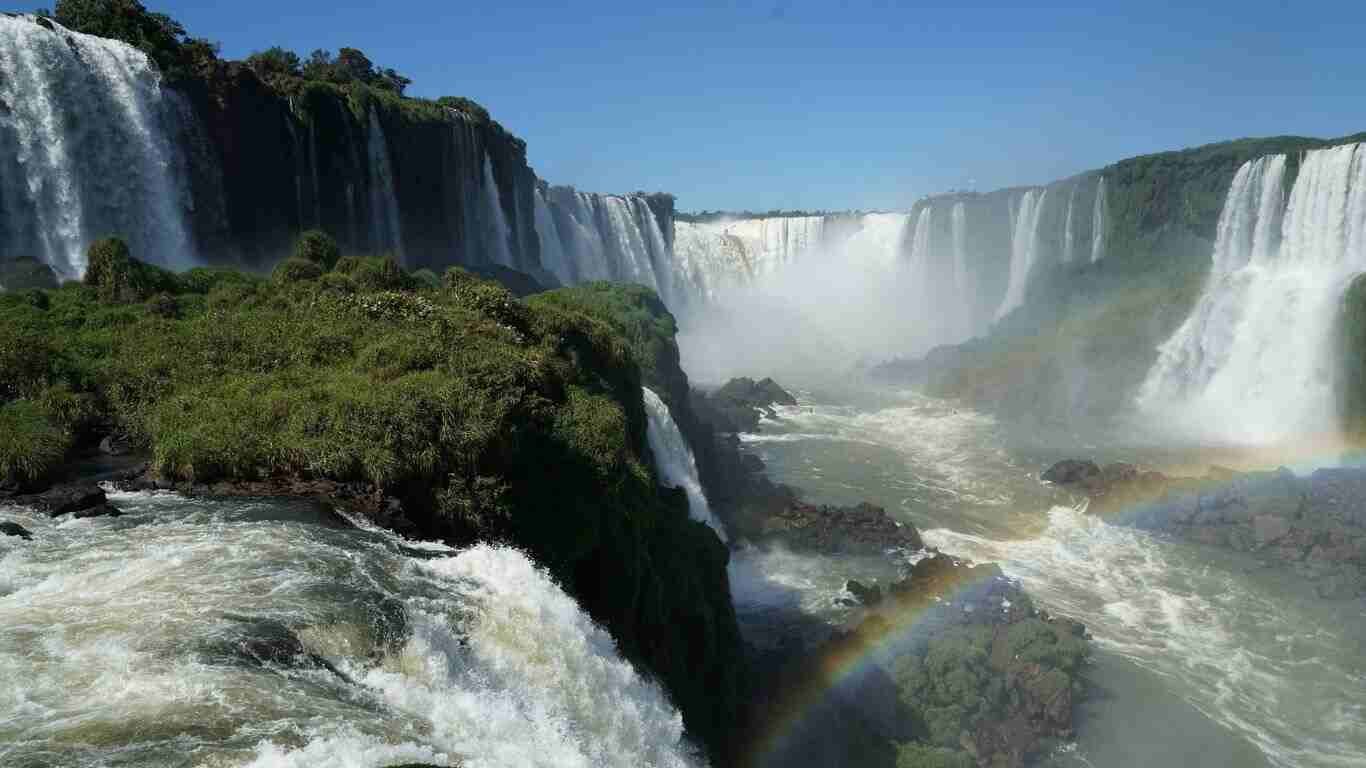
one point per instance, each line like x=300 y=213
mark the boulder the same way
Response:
x=100 y=510
x=15 y=529
x=114 y=444
x=1069 y=471
x=64 y=499
x=864 y=594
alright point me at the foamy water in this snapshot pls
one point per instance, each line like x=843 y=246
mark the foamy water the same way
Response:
x=121 y=644
x=1266 y=670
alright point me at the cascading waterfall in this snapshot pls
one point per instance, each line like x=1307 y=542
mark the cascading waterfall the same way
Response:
x=1068 y=239
x=554 y=255
x=1098 y=223
x=1024 y=245
x=920 y=252
x=85 y=150
x=1252 y=363
x=967 y=297
x=496 y=232
x=383 y=203
x=194 y=632
x=674 y=459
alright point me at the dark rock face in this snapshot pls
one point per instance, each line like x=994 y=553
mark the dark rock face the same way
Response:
x=739 y=403
x=1317 y=525
x=860 y=529
x=65 y=499
x=14 y=529
x=265 y=168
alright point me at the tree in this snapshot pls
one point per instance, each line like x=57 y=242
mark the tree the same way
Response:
x=159 y=36
x=274 y=63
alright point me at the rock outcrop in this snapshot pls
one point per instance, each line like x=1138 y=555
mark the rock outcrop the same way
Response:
x=1315 y=525
x=740 y=403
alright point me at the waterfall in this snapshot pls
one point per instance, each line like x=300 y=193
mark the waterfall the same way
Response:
x=920 y=252
x=673 y=457
x=496 y=231
x=1068 y=240
x=553 y=245
x=150 y=632
x=966 y=293
x=1098 y=223
x=387 y=234
x=1024 y=243
x=877 y=242
x=1252 y=363
x=85 y=150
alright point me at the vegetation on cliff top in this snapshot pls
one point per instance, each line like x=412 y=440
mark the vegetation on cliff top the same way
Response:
x=488 y=417
x=181 y=56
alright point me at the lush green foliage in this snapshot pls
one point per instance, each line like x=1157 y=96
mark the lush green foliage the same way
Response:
x=159 y=36
x=117 y=278
x=1350 y=375
x=318 y=247
x=634 y=311
x=971 y=673
x=487 y=417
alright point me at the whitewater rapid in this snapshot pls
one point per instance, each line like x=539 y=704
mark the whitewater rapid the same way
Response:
x=1202 y=655
x=130 y=641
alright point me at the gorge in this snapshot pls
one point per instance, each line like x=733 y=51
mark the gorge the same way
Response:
x=332 y=434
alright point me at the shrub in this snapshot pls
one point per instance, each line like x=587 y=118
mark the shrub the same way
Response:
x=318 y=247
x=295 y=270
x=32 y=443
x=425 y=278
x=109 y=270
x=373 y=273
x=164 y=305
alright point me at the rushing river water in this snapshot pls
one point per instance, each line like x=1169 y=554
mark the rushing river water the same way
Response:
x=1202 y=657
x=269 y=633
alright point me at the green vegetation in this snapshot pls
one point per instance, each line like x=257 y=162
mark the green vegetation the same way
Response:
x=972 y=674
x=318 y=247
x=1350 y=375
x=487 y=417
x=159 y=36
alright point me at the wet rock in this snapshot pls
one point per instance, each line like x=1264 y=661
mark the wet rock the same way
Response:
x=115 y=445
x=101 y=510
x=15 y=529
x=738 y=405
x=860 y=529
x=866 y=595
x=266 y=643
x=1070 y=471
x=64 y=499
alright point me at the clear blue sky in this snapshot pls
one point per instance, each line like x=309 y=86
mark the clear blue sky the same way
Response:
x=799 y=104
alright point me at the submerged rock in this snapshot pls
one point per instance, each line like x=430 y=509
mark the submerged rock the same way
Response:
x=15 y=529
